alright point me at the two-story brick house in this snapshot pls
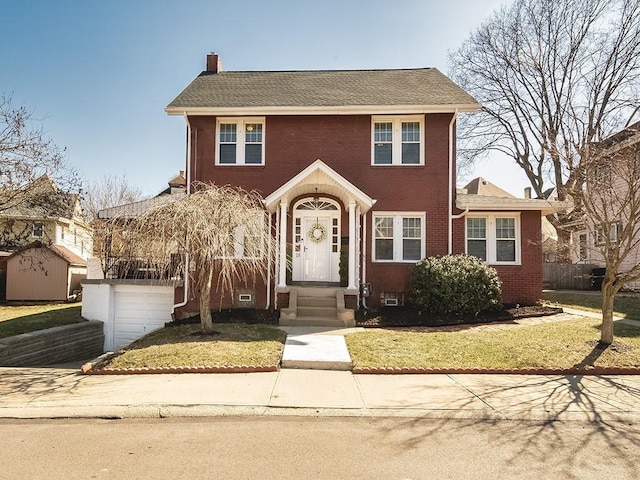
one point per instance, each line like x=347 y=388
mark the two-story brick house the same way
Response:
x=358 y=171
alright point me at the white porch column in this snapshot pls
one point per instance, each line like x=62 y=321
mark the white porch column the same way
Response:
x=282 y=276
x=352 y=246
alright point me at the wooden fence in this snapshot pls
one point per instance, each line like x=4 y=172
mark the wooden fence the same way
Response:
x=566 y=276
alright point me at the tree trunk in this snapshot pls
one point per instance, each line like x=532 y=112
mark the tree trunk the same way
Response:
x=563 y=247
x=206 y=322
x=608 y=295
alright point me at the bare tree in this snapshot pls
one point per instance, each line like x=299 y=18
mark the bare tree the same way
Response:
x=26 y=154
x=221 y=229
x=109 y=191
x=553 y=77
x=610 y=196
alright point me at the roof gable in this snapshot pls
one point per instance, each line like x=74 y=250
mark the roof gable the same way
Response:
x=309 y=178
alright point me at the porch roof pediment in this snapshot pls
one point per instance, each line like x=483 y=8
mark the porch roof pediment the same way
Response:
x=316 y=175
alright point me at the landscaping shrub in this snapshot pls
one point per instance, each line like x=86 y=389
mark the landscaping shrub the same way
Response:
x=456 y=284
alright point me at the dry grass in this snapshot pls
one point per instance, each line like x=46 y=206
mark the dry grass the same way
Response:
x=624 y=305
x=183 y=346
x=551 y=345
x=18 y=319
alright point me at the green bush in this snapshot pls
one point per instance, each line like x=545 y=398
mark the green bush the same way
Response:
x=456 y=284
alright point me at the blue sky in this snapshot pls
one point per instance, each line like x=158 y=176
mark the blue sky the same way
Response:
x=99 y=73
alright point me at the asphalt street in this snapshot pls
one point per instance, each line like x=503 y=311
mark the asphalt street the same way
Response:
x=317 y=448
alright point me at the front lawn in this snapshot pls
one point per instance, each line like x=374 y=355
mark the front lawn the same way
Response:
x=557 y=345
x=235 y=344
x=626 y=306
x=18 y=319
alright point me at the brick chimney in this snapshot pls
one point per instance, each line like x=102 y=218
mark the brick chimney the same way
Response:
x=214 y=64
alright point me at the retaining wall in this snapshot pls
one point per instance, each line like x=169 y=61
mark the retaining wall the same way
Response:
x=68 y=343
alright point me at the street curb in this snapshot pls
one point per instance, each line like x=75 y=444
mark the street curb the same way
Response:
x=119 y=412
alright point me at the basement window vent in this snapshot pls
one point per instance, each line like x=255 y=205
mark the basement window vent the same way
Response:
x=245 y=297
x=392 y=299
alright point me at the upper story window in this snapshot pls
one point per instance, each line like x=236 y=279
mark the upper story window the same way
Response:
x=240 y=141
x=398 y=237
x=37 y=229
x=398 y=140
x=494 y=238
x=604 y=234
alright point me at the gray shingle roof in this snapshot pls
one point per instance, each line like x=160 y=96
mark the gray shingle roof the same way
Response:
x=322 y=88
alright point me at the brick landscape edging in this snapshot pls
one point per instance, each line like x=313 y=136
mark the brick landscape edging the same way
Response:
x=499 y=371
x=93 y=370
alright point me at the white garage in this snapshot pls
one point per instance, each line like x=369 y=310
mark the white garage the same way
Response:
x=129 y=311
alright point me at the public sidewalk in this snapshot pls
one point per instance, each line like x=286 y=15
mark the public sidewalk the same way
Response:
x=66 y=393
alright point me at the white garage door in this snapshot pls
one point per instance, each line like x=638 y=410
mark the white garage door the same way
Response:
x=140 y=310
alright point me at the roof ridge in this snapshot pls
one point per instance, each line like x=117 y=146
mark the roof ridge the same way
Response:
x=346 y=70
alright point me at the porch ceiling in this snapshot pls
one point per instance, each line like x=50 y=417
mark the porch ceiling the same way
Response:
x=326 y=180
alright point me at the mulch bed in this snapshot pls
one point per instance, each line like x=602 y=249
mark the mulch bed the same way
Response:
x=409 y=316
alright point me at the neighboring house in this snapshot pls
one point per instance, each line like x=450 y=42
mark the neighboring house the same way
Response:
x=618 y=153
x=109 y=254
x=41 y=213
x=358 y=170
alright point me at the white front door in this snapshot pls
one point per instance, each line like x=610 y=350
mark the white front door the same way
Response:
x=316 y=249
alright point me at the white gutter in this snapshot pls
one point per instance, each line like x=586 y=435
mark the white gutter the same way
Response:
x=460 y=215
x=185 y=298
x=451 y=145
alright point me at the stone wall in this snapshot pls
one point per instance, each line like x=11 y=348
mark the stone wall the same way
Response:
x=68 y=343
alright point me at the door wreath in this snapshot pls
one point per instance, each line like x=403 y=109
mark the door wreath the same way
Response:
x=317 y=233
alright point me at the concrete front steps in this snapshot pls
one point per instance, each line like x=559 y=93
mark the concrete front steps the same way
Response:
x=316 y=307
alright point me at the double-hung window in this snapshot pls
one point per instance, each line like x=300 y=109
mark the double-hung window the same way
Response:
x=494 y=238
x=398 y=140
x=601 y=236
x=398 y=237
x=240 y=141
x=37 y=230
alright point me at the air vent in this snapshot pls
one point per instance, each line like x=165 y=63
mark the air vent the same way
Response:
x=245 y=297
x=391 y=302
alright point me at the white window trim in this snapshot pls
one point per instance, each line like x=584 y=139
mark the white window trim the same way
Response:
x=600 y=240
x=396 y=152
x=240 y=123
x=491 y=236
x=397 y=235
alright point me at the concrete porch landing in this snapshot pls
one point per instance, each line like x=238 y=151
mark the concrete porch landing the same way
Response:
x=315 y=348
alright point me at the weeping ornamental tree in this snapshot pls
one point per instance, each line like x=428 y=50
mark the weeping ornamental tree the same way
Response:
x=220 y=229
x=553 y=77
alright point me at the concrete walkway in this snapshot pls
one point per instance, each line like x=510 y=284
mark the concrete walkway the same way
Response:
x=65 y=393
x=316 y=348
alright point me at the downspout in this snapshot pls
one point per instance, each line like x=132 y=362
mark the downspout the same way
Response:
x=185 y=298
x=451 y=146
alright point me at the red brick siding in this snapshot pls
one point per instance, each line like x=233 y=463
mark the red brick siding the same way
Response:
x=520 y=283
x=344 y=143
